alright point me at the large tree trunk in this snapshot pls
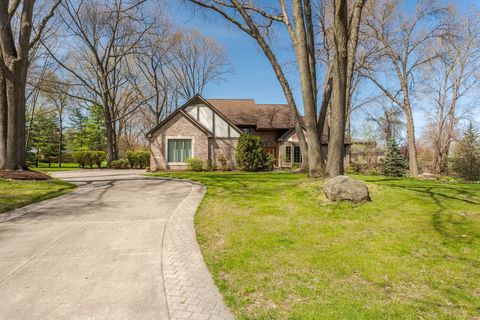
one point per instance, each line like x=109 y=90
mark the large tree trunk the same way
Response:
x=3 y=122
x=15 y=144
x=327 y=95
x=315 y=161
x=336 y=146
x=352 y=50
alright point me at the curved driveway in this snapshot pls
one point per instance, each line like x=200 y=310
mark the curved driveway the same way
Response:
x=93 y=254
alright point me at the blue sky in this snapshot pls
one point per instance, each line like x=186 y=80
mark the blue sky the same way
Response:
x=252 y=75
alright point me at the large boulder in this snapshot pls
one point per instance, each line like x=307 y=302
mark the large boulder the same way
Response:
x=346 y=188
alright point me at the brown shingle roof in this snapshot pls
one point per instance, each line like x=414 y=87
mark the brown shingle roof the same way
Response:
x=245 y=112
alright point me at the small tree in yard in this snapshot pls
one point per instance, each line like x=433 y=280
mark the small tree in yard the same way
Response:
x=250 y=154
x=394 y=164
x=466 y=162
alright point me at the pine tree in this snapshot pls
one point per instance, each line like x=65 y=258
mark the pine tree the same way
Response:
x=466 y=161
x=394 y=164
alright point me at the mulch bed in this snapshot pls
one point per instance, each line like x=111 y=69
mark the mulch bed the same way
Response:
x=23 y=175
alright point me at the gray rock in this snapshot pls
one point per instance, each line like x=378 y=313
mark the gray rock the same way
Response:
x=428 y=176
x=346 y=188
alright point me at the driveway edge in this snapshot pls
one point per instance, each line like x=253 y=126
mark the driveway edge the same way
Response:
x=190 y=290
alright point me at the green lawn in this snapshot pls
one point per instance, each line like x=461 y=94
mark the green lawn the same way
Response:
x=18 y=193
x=279 y=250
x=54 y=167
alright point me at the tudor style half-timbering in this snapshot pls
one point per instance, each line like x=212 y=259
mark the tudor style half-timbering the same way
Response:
x=209 y=129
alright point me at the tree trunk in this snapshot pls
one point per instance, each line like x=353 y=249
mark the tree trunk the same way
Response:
x=327 y=94
x=336 y=146
x=15 y=144
x=3 y=122
x=412 y=150
x=315 y=161
x=60 y=142
x=352 y=50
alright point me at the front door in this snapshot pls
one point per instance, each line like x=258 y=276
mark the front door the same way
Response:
x=273 y=151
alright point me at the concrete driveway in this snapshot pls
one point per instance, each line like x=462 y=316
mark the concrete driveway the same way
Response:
x=94 y=255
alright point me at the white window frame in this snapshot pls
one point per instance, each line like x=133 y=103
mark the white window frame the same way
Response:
x=192 y=143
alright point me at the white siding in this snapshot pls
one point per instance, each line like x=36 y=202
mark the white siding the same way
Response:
x=221 y=127
x=206 y=117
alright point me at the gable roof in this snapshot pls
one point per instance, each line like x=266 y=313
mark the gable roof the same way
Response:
x=196 y=99
x=185 y=114
x=245 y=112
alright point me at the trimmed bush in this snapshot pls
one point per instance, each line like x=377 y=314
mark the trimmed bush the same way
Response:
x=138 y=159
x=195 y=164
x=120 y=164
x=223 y=163
x=250 y=154
x=89 y=158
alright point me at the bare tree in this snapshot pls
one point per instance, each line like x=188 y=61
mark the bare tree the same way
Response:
x=103 y=37
x=195 y=61
x=16 y=41
x=160 y=84
x=402 y=44
x=449 y=79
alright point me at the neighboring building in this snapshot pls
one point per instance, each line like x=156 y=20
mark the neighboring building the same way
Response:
x=208 y=129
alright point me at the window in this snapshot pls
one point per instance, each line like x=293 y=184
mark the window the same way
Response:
x=179 y=150
x=288 y=153
x=297 y=155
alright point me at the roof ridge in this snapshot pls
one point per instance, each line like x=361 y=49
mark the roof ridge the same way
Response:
x=230 y=99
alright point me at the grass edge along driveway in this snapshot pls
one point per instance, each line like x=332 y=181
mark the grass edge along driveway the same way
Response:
x=18 y=193
x=278 y=249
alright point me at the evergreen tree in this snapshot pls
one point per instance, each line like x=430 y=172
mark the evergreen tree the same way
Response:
x=87 y=129
x=466 y=161
x=394 y=164
x=44 y=134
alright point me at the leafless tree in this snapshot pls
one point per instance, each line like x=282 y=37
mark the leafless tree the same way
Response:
x=102 y=38
x=20 y=32
x=402 y=44
x=448 y=81
x=160 y=84
x=195 y=61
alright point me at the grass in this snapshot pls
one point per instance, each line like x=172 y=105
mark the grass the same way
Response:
x=43 y=167
x=18 y=193
x=278 y=249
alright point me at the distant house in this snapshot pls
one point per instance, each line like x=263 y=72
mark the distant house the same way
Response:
x=208 y=129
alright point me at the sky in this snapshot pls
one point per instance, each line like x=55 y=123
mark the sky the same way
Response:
x=252 y=75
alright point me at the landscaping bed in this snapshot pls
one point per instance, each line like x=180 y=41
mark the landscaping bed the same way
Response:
x=23 y=175
x=278 y=249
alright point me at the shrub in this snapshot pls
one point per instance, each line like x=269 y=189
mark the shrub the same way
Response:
x=466 y=162
x=251 y=156
x=268 y=162
x=89 y=158
x=138 y=159
x=210 y=165
x=119 y=164
x=96 y=157
x=80 y=158
x=394 y=164
x=372 y=172
x=223 y=163
x=195 y=164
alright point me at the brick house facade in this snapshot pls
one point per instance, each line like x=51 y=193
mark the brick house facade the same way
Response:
x=209 y=129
